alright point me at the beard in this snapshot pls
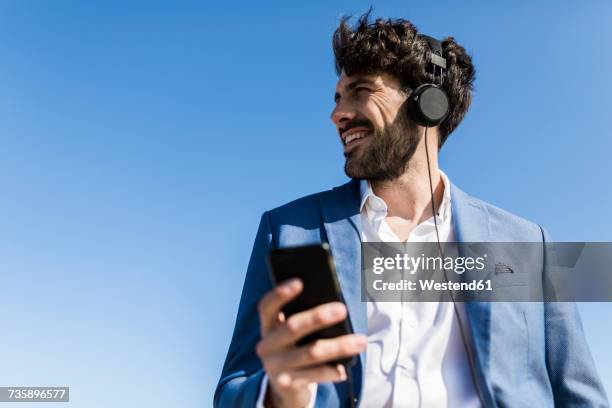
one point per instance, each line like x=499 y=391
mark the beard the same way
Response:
x=387 y=155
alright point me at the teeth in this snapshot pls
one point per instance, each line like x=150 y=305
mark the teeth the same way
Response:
x=354 y=136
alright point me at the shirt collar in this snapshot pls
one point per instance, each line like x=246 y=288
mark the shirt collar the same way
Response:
x=377 y=204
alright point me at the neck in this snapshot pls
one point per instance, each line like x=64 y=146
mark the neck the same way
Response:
x=409 y=196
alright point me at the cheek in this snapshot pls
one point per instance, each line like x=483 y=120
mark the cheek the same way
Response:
x=375 y=113
x=384 y=110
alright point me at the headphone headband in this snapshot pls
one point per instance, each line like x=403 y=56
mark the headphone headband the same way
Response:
x=436 y=51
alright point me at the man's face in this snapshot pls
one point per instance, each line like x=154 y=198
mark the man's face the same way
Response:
x=372 y=121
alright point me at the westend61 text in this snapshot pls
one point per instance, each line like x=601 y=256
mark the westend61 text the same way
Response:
x=432 y=285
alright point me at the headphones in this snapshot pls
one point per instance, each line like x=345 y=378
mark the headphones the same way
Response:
x=428 y=104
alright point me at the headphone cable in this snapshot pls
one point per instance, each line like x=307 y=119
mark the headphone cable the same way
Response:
x=349 y=374
x=468 y=349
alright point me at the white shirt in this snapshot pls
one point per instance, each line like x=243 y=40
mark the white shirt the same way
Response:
x=415 y=353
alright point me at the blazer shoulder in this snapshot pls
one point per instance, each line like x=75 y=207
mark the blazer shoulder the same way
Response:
x=299 y=207
x=306 y=209
x=505 y=223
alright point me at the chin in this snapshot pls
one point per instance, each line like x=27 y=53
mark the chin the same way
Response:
x=353 y=169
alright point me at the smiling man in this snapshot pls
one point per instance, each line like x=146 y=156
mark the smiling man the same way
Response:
x=425 y=354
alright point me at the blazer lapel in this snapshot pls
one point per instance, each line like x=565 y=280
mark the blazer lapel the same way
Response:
x=342 y=222
x=471 y=223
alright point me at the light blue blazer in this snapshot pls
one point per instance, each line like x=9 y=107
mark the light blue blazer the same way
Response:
x=526 y=354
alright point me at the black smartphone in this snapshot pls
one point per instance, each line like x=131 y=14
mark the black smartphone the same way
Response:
x=314 y=265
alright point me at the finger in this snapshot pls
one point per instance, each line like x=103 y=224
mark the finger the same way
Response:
x=302 y=324
x=316 y=353
x=270 y=305
x=303 y=377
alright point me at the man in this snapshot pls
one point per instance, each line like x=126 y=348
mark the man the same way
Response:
x=410 y=354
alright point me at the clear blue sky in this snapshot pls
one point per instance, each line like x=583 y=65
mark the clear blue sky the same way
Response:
x=140 y=142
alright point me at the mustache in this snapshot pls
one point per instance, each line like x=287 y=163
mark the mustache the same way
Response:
x=358 y=123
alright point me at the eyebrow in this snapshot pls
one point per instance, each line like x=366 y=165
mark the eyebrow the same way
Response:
x=353 y=85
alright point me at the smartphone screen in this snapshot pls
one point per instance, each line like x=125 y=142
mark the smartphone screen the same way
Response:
x=314 y=265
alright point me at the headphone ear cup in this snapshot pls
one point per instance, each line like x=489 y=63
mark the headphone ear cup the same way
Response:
x=428 y=105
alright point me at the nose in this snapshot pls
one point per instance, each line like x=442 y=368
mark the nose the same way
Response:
x=342 y=114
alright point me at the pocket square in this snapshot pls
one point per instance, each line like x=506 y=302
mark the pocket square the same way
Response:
x=502 y=268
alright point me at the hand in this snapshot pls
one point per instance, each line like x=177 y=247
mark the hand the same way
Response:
x=293 y=371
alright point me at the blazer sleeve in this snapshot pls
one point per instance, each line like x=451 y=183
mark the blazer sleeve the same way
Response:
x=242 y=371
x=570 y=366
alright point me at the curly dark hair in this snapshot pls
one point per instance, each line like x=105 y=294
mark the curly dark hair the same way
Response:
x=394 y=46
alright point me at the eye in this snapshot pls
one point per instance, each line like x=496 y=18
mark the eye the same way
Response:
x=361 y=88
